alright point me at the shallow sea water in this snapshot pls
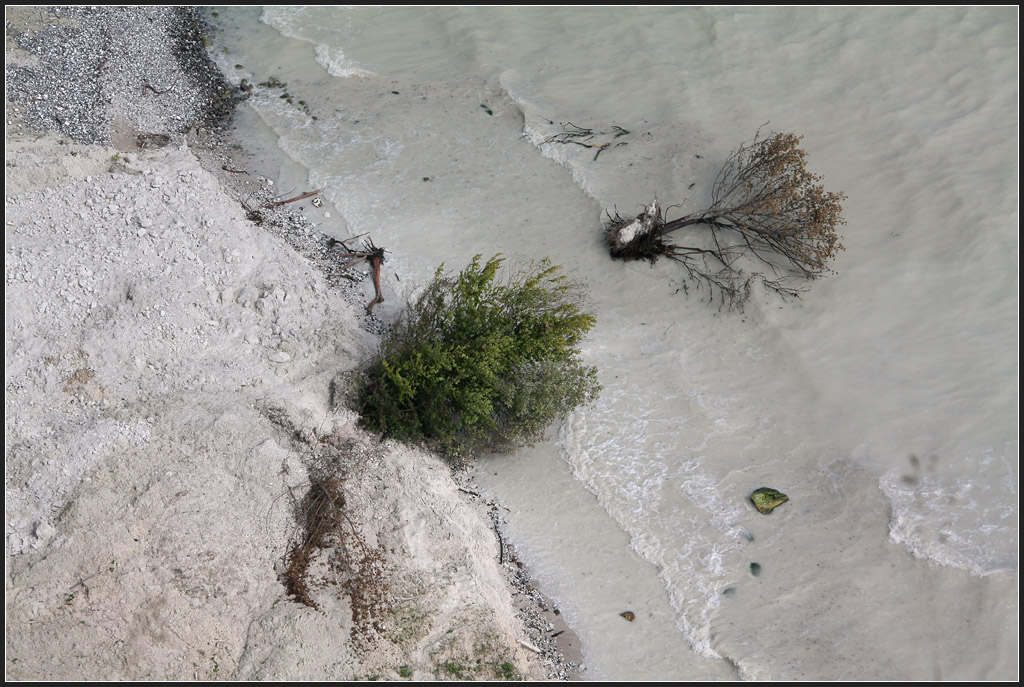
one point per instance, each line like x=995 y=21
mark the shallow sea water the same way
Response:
x=884 y=402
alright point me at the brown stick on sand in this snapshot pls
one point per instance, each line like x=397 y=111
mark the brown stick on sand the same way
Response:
x=291 y=200
x=375 y=261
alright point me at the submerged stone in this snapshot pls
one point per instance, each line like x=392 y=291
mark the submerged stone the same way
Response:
x=766 y=500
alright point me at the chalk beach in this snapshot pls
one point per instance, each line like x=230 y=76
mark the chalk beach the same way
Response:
x=175 y=374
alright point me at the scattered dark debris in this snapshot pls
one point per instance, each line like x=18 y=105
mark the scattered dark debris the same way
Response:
x=152 y=140
x=273 y=82
x=584 y=136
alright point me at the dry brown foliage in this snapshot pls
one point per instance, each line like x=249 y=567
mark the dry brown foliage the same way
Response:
x=356 y=569
x=765 y=205
x=329 y=551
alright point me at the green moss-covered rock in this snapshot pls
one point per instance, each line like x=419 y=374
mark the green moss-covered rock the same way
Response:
x=766 y=500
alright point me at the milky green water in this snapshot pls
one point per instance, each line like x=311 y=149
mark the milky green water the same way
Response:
x=884 y=402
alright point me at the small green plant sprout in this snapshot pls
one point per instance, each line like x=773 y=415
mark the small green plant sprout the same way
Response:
x=482 y=363
x=507 y=671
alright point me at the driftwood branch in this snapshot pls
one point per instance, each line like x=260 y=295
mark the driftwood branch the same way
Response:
x=291 y=200
x=372 y=254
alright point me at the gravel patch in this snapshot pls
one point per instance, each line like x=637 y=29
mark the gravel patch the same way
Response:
x=109 y=74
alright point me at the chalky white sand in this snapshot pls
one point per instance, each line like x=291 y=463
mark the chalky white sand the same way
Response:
x=174 y=381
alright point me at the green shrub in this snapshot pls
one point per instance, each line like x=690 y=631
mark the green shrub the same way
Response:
x=479 y=364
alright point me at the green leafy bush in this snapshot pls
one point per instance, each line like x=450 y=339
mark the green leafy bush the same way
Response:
x=481 y=364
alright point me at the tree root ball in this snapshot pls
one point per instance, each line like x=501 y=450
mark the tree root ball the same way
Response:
x=638 y=238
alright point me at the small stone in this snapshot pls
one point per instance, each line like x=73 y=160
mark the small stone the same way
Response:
x=45 y=531
x=280 y=357
x=766 y=499
x=628 y=615
x=755 y=569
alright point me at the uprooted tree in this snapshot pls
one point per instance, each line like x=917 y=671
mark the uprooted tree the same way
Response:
x=769 y=221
